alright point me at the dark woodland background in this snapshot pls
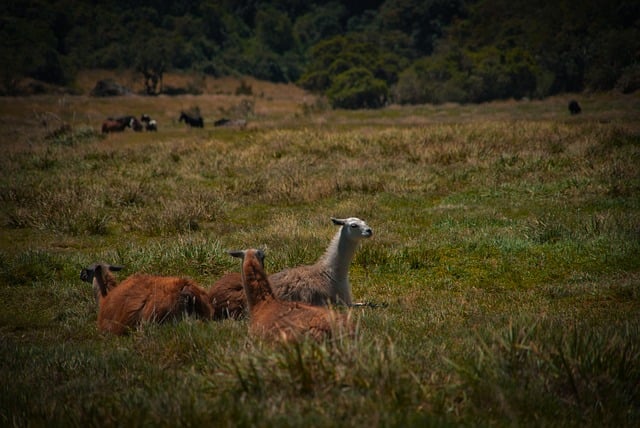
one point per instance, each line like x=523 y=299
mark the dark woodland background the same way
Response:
x=359 y=54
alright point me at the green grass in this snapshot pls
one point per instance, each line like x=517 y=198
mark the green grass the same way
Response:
x=504 y=257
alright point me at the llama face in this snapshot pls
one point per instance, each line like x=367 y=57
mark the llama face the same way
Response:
x=354 y=228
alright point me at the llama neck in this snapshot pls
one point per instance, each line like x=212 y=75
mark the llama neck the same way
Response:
x=336 y=260
x=102 y=287
x=256 y=286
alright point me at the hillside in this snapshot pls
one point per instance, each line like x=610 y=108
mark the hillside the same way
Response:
x=358 y=54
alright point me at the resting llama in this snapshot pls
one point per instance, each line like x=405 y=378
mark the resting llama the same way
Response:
x=275 y=319
x=143 y=298
x=326 y=281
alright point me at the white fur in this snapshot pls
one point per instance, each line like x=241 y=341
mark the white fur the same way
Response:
x=328 y=279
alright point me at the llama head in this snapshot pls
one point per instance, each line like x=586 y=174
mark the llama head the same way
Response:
x=97 y=274
x=250 y=254
x=254 y=279
x=353 y=228
x=87 y=274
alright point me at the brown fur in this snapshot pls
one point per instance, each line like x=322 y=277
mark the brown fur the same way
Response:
x=227 y=297
x=147 y=298
x=112 y=126
x=276 y=319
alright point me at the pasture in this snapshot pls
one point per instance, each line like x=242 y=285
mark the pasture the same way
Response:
x=505 y=260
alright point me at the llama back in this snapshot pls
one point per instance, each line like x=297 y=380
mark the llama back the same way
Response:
x=150 y=298
x=303 y=284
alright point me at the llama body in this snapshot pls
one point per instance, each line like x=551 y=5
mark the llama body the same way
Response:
x=326 y=281
x=145 y=298
x=275 y=319
x=227 y=296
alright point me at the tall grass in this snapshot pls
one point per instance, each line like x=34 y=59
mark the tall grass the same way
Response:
x=504 y=262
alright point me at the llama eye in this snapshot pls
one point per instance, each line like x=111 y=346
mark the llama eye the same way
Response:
x=354 y=225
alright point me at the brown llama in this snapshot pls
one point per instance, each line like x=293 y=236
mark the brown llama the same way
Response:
x=144 y=298
x=280 y=320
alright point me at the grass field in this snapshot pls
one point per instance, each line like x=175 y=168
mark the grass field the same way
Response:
x=506 y=250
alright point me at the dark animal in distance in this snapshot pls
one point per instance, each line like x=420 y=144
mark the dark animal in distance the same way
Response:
x=574 y=107
x=118 y=124
x=111 y=125
x=136 y=125
x=194 y=122
x=149 y=124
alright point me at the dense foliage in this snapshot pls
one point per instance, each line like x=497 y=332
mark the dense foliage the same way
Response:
x=415 y=51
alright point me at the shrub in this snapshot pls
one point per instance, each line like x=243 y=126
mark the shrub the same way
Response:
x=357 y=88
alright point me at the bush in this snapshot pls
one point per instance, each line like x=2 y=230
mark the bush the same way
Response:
x=357 y=88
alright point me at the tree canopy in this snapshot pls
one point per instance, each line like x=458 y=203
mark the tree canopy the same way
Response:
x=359 y=54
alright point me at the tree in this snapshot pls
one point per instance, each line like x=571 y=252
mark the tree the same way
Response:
x=357 y=88
x=151 y=61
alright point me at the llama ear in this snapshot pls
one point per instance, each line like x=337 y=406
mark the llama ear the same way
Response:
x=236 y=253
x=115 y=268
x=337 y=221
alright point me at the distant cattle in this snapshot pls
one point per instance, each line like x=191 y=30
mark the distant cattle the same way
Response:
x=111 y=125
x=574 y=107
x=149 y=124
x=135 y=125
x=194 y=122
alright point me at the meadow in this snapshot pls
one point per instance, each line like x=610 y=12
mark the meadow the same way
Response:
x=504 y=262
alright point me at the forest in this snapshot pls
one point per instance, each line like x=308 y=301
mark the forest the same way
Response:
x=363 y=54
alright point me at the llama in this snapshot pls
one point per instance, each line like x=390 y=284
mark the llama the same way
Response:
x=149 y=124
x=227 y=297
x=274 y=319
x=326 y=281
x=194 y=122
x=143 y=298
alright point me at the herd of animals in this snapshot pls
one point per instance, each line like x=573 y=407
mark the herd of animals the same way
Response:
x=118 y=124
x=290 y=305
x=146 y=123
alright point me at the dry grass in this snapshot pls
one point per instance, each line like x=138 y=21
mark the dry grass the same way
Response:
x=505 y=248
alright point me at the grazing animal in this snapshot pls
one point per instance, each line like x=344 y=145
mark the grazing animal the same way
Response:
x=136 y=125
x=118 y=124
x=326 y=281
x=229 y=123
x=194 y=122
x=143 y=298
x=275 y=319
x=111 y=125
x=126 y=120
x=149 y=124
x=574 y=107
